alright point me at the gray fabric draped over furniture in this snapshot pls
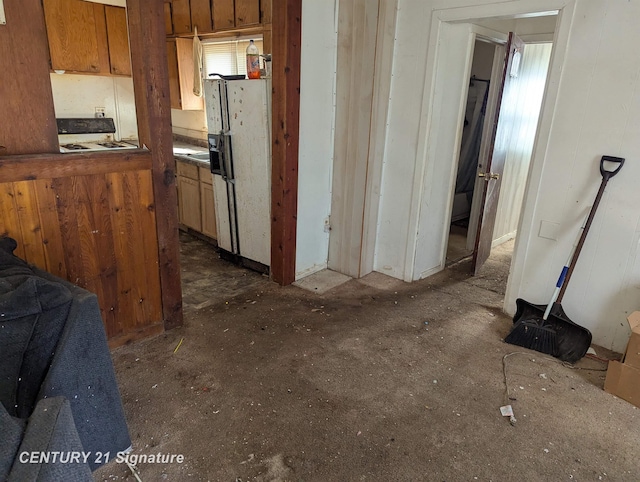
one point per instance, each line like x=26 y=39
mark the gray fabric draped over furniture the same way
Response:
x=471 y=136
x=53 y=344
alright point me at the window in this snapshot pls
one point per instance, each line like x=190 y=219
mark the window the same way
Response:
x=227 y=57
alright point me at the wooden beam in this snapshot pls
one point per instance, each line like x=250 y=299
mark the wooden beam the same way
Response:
x=151 y=88
x=52 y=166
x=287 y=21
x=27 y=117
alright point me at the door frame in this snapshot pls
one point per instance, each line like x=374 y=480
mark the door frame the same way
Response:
x=416 y=267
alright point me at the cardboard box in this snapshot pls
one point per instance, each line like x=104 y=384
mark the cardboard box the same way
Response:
x=623 y=378
x=632 y=353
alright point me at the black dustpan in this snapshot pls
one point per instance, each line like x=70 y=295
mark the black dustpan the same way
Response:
x=557 y=336
x=547 y=328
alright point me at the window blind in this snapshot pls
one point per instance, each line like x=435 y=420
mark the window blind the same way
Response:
x=227 y=57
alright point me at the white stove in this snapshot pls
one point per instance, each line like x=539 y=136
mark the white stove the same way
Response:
x=89 y=135
x=95 y=146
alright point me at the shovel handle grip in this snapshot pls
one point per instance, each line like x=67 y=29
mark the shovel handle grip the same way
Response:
x=607 y=174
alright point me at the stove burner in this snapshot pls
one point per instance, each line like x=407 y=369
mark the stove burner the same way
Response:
x=110 y=145
x=74 y=147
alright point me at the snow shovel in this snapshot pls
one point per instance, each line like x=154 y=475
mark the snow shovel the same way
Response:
x=547 y=328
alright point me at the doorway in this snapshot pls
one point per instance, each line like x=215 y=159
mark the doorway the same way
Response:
x=475 y=129
x=517 y=125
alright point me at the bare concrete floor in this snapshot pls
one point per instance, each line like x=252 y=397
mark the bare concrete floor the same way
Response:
x=374 y=380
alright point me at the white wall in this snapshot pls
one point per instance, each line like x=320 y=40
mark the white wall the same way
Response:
x=596 y=112
x=78 y=96
x=190 y=123
x=410 y=39
x=523 y=121
x=317 y=113
x=482 y=59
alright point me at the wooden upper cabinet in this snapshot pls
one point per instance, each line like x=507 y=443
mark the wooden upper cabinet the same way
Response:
x=265 y=14
x=247 y=12
x=201 y=15
x=181 y=15
x=174 y=81
x=75 y=33
x=118 y=37
x=180 y=64
x=168 y=22
x=87 y=37
x=223 y=14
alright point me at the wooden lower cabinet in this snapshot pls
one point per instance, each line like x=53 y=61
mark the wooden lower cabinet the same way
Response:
x=208 y=210
x=196 y=209
x=189 y=203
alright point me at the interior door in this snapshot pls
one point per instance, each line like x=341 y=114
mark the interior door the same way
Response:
x=492 y=172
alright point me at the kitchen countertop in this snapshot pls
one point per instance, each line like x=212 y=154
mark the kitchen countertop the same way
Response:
x=181 y=151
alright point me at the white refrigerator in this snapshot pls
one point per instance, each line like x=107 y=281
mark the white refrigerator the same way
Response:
x=239 y=124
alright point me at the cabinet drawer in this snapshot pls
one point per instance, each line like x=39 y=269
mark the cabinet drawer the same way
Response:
x=187 y=170
x=205 y=175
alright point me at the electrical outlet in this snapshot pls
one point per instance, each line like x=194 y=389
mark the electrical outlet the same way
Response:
x=100 y=112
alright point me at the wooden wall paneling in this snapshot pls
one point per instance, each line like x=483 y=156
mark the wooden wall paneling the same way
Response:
x=151 y=88
x=72 y=30
x=125 y=246
x=29 y=220
x=287 y=19
x=9 y=220
x=118 y=39
x=224 y=16
x=181 y=15
x=100 y=233
x=247 y=12
x=27 y=116
x=168 y=21
x=64 y=189
x=201 y=15
x=357 y=29
x=151 y=299
x=51 y=166
x=89 y=252
x=50 y=226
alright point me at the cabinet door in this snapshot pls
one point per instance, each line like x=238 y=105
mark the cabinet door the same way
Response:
x=189 y=203
x=247 y=12
x=223 y=14
x=201 y=15
x=174 y=82
x=184 y=50
x=77 y=41
x=265 y=14
x=181 y=14
x=118 y=35
x=208 y=210
x=168 y=22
